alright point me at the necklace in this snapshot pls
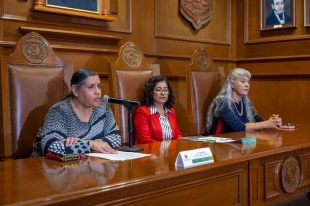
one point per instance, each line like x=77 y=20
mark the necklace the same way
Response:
x=240 y=113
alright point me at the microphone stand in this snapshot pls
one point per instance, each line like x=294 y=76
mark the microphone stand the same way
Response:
x=130 y=148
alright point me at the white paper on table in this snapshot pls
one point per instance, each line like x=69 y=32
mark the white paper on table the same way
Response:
x=120 y=156
x=209 y=139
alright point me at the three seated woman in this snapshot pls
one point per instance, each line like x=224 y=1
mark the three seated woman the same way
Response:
x=82 y=123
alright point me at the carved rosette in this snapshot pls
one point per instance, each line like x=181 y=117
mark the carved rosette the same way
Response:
x=34 y=50
x=290 y=174
x=132 y=57
x=196 y=12
x=202 y=60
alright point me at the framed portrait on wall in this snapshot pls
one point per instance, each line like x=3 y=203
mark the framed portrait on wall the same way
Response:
x=86 y=5
x=276 y=14
x=307 y=13
x=93 y=9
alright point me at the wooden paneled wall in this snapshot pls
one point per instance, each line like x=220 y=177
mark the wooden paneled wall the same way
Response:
x=279 y=61
x=277 y=58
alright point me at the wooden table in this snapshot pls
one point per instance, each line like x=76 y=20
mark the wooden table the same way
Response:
x=240 y=175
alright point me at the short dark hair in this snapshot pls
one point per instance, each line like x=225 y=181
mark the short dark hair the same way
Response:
x=272 y=1
x=79 y=77
x=148 y=89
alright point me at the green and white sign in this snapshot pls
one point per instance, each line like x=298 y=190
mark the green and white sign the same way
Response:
x=194 y=157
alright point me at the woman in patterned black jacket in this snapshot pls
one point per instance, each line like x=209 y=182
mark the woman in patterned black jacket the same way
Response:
x=80 y=123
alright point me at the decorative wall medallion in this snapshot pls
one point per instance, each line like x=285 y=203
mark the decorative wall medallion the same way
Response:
x=202 y=60
x=198 y=12
x=132 y=57
x=290 y=174
x=34 y=50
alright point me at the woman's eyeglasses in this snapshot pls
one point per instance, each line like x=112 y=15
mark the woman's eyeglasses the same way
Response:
x=159 y=90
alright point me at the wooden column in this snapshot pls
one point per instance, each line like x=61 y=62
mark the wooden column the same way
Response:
x=38 y=3
x=106 y=7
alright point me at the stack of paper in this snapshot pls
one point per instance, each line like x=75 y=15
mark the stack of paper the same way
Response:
x=209 y=139
x=119 y=156
x=244 y=140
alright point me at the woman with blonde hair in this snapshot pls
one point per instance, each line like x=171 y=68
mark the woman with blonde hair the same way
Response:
x=232 y=110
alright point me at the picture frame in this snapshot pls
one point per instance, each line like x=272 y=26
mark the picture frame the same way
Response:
x=307 y=13
x=91 y=6
x=277 y=14
x=92 y=9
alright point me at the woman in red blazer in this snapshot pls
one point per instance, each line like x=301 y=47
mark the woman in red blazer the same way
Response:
x=156 y=120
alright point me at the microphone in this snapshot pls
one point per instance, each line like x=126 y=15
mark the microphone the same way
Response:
x=128 y=104
x=124 y=102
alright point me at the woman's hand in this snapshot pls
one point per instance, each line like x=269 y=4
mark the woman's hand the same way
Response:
x=102 y=147
x=277 y=119
x=274 y=121
x=70 y=141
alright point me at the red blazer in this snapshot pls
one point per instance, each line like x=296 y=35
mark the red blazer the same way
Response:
x=148 y=128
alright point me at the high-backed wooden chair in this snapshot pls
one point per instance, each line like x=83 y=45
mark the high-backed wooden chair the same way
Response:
x=126 y=79
x=203 y=82
x=33 y=78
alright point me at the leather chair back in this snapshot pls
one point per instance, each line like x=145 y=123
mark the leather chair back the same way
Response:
x=203 y=82
x=126 y=78
x=33 y=79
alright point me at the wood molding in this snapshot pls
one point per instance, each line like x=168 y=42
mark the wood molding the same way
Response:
x=114 y=6
x=75 y=24
x=264 y=39
x=228 y=37
x=160 y=55
x=67 y=12
x=13 y=17
x=175 y=56
x=71 y=35
x=274 y=186
x=193 y=39
x=178 y=56
x=274 y=58
x=103 y=75
x=305 y=163
x=68 y=48
x=274 y=76
x=169 y=76
x=7 y=44
x=274 y=39
x=85 y=49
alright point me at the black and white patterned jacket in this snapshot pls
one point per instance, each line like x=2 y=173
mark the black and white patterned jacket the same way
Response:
x=61 y=122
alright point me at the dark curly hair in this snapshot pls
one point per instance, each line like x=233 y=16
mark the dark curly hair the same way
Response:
x=147 y=96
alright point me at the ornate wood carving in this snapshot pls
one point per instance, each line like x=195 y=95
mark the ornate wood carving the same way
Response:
x=202 y=59
x=34 y=49
x=196 y=12
x=290 y=174
x=131 y=56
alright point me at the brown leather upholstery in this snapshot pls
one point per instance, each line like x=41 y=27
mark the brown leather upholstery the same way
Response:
x=36 y=80
x=127 y=77
x=203 y=82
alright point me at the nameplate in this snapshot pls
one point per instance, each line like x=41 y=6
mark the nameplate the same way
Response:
x=277 y=26
x=194 y=157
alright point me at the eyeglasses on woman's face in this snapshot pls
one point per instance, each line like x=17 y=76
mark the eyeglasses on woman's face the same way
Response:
x=160 y=90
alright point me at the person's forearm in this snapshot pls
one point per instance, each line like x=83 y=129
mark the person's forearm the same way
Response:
x=80 y=147
x=255 y=126
x=113 y=139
